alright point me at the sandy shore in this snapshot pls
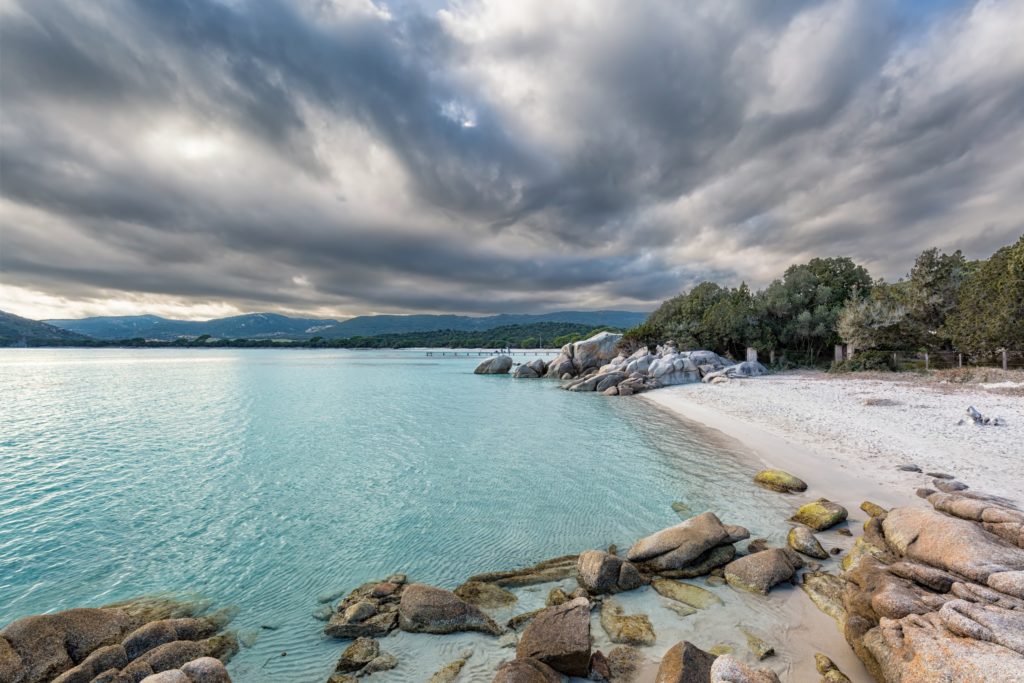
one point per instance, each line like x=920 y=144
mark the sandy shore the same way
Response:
x=846 y=435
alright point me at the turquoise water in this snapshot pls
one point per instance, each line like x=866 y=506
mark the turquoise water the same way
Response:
x=263 y=479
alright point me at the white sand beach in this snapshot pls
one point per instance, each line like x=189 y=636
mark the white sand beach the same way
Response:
x=846 y=435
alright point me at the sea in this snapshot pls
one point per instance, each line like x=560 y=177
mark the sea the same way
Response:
x=265 y=481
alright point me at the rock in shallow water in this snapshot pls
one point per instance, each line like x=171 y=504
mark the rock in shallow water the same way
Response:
x=526 y=670
x=677 y=546
x=428 y=609
x=601 y=572
x=559 y=637
x=496 y=365
x=485 y=595
x=759 y=572
x=686 y=593
x=685 y=663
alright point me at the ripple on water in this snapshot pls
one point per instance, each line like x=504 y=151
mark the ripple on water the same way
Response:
x=265 y=478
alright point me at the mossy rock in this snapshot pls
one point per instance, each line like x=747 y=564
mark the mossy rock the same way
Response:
x=872 y=509
x=820 y=515
x=777 y=480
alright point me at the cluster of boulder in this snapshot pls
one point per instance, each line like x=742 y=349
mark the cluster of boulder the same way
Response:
x=596 y=364
x=933 y=594
x=146 y=640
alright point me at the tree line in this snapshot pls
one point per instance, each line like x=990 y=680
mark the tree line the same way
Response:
x=946 y=302
x=529 y=336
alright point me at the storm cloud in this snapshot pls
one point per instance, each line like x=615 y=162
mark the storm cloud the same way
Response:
x=337 y=157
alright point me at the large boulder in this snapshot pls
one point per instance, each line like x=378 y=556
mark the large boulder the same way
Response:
x=427 y=609
x=206 y=670
x=759 y=572
x=949 y=543
x=684 y=662
x=674 y=368
x=595 y=352
x=524 y=371
x=601 y=572
x=495 y=365
x=679 y=545
x=560 y=637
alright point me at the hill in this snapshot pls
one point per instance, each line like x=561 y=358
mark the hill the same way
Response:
x=18 y=331
x=274 y=326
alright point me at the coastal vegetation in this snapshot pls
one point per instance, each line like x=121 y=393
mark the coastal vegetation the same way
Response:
x=946 y=303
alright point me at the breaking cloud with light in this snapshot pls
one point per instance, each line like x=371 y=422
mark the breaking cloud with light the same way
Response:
x=338 y=157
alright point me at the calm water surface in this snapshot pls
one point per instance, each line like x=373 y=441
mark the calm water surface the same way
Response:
x=263 y=479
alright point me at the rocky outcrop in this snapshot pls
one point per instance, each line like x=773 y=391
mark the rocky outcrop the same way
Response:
x=759 y=572
x=560 y=638
x=684 y=544
x=600 y=572
x=136 y=638
x=555 y=569
x=428 y=609
x=495 y=365
x=928 y=594
x=685 y=663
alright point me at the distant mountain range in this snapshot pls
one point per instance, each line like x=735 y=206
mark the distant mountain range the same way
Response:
x=274 y=326
x=18 y=331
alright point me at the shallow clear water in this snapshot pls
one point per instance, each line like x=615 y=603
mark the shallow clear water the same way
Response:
x=266 y=478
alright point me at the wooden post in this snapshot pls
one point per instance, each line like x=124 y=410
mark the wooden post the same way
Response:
x=850 y=349
x=839 y=353
x=771 y=357
x=959 y=360
x=1004 y=359
x=925 y=360
x=751 y=355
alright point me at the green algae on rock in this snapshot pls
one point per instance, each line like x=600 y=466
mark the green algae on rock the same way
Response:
x=779 y=481
x=820 y=515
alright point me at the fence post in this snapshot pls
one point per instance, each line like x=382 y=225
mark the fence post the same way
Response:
x=959 y=360
x=771 y=357
x=1004 y=359
x=925 y=360
x=751 y=355
x=839 y=353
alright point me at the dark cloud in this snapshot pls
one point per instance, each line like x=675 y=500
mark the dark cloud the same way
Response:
x=345 y=156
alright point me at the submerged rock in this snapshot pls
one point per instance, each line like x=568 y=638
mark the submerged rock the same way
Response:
x=485 y=595
x=820 y=515
x=559 y=637
x=803 y=541
x=684 y=662
x=361 y=652
x=686 y=593
x=450 y=671
x=427 y=609
x=627 y=629
x=757 y=645
x=777 y=480
x=555 y=569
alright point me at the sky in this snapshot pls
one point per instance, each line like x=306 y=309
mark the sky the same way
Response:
x=342 y=157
